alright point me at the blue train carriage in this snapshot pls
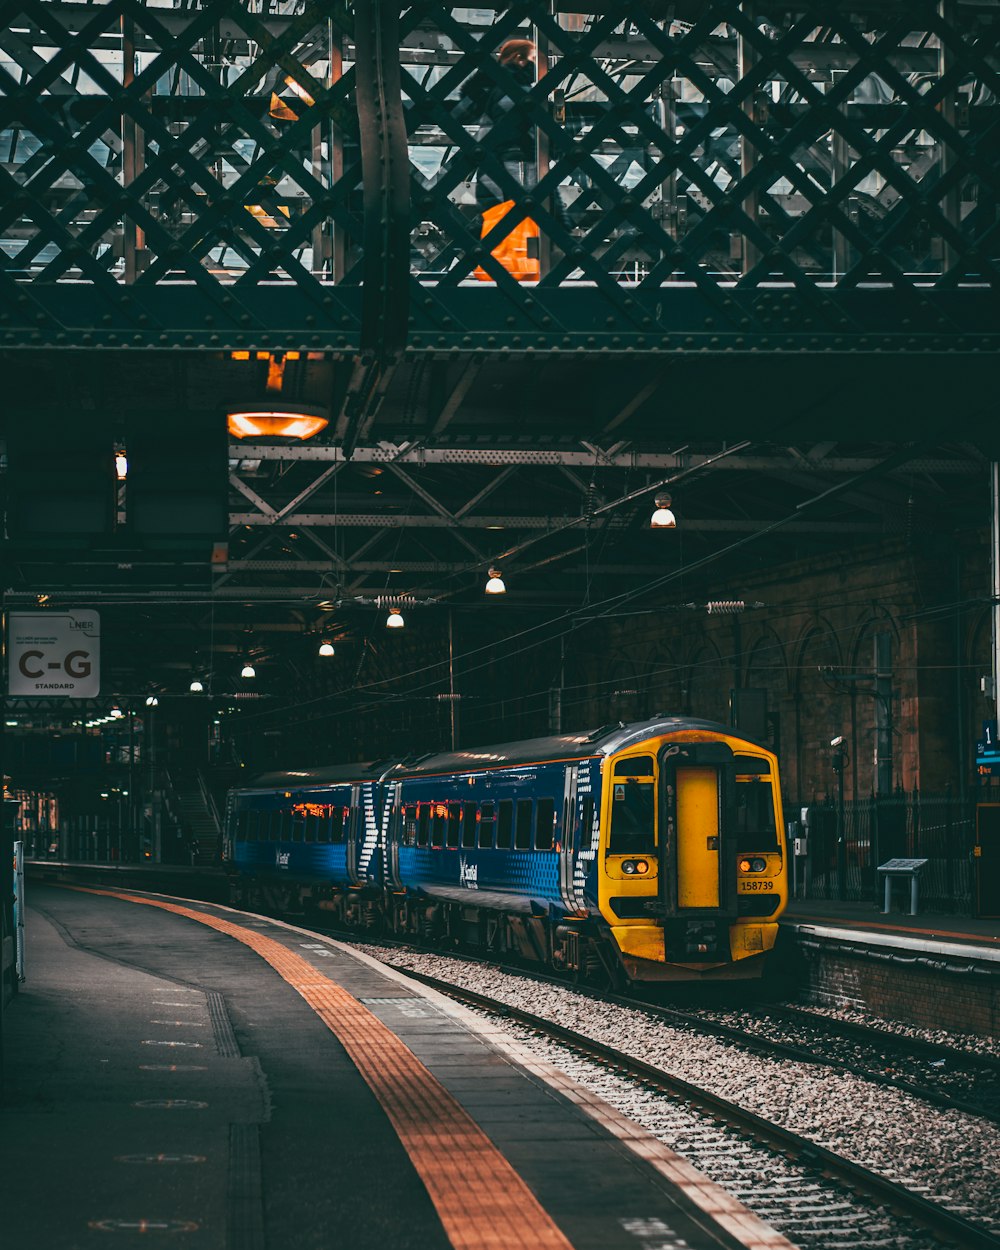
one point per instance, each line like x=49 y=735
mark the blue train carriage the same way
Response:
x=307 y=840
x=646 y=852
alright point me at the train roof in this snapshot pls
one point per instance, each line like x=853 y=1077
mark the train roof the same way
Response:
x=584 y=745
x=332 y=774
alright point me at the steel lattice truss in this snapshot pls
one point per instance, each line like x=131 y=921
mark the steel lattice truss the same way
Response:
x=301 y=174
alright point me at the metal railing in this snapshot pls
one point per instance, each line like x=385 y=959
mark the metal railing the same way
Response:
x=937 y=827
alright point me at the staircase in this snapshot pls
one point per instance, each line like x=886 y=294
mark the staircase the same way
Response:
x=199 y=819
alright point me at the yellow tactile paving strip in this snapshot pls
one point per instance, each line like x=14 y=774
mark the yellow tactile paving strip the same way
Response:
x=481 y=1201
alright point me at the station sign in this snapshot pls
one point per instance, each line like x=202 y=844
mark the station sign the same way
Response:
x=54 y=655
x=988 y=751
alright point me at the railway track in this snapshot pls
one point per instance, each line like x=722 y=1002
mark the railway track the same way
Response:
x=816 y=1196
x=941 y=1075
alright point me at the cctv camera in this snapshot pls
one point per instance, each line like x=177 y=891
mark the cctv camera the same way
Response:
x=837 y=742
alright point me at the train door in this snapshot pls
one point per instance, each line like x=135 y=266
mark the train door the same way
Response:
x=355 y=829
x=698 y=848
x=392 y=823
x=568 y=838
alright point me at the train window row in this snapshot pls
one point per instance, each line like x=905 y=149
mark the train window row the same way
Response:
x=510 y=824
x=305 y=822
x=520 y=825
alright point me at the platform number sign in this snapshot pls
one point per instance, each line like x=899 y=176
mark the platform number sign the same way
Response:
x=54 y=655
x=988 y=751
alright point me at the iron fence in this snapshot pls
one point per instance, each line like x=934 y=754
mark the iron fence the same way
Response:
x=937 y=827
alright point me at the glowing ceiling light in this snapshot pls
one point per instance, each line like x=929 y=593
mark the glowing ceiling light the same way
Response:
x=278 y=420
x=395 y=619
x=121 y=465
x=495 y=586
x=326 y=648
x=248 y=670
x=663 y=518
x=196 y=687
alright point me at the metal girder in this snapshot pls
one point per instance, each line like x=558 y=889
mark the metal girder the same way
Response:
x=254 y=180
x=543 y=524
x=418 y=455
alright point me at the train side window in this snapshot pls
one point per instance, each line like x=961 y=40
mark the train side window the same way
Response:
x=322 y=822
x=486 y=820
x=522 y=829
x=505 y=824
x=336 y=823
x=469 y=813
x=545 y=814
x=454 y=824
x=295 y=824
x=309 y=825
x=410 y=824
x=439 y=820
x=423 y=823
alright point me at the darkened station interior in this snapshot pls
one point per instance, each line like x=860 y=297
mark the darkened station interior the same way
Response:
x=375 y=387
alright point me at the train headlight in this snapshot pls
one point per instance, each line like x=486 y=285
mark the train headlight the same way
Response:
x=757 y=864
x=635 y=867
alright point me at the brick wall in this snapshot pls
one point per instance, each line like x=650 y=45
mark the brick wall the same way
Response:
x=903 y=990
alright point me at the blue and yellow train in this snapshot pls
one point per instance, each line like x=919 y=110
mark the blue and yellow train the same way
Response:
x=636 y=853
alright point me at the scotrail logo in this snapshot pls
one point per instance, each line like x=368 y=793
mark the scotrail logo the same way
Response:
x=468 y=875
x=281 y=858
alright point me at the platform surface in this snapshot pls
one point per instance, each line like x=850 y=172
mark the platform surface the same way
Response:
x=867 y=917
x=221 y=1080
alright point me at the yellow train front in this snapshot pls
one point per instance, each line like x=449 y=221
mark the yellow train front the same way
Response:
x=691 y=855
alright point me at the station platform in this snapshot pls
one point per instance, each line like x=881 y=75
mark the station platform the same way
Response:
x=240 y=1084
x=869 y=918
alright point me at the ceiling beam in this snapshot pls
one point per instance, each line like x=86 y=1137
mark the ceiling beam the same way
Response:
x=590 y=457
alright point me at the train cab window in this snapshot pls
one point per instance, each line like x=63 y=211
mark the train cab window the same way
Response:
x=439 y=819
x=409 y=837
x=545 y=815
x=486 y=820
x=756 y=827
x=505 y=824
x=454 y=824
x=469 y=813
x=633 y=824
x=635 y=766
x=423 y=824
x=241 y=826
x=522 y=828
